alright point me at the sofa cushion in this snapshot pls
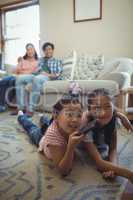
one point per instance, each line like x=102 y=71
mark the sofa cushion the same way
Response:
x=85 y=72
x=69 y=63
x=88 y=67
x=67 y=69
x=96 y=59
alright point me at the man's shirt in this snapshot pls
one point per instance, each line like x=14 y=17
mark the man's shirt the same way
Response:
x=50 y=65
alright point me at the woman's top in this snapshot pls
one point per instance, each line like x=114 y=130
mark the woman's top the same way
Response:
x=26 y=67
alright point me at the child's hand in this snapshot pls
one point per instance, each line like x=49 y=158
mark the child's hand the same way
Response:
x=75 y=139
x=19 y=59
x=109 y=174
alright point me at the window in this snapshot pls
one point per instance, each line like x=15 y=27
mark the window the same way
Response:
x=21 y=26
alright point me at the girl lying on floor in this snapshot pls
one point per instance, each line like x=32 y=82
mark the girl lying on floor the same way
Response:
x=63 y=135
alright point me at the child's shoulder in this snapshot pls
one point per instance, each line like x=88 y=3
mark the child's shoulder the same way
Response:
x=53 y=134
x=52 y=127
x=53 y=130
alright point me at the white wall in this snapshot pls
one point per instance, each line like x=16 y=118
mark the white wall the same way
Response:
x=113 y=35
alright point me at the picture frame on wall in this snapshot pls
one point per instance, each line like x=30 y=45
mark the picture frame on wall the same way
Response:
x=87 y=10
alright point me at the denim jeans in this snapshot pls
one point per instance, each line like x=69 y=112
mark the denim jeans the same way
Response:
x=7 y=90
x=34 y=132
x=37 y=85
x=21 y=93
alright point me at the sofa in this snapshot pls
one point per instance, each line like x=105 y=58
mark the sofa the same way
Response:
x=92 y=73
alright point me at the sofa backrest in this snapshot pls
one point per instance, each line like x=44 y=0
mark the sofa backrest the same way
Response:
x=53 y=90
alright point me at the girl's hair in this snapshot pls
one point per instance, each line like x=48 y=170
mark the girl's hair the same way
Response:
x=31 y=46
x=65 y=100
x=57 y=108
x=95 y=93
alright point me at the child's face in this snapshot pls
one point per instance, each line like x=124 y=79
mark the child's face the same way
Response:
x=69 y=119
x=102 y=109
x=48 y=52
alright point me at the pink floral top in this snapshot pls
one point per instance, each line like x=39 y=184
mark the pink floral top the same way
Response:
x=26 y=67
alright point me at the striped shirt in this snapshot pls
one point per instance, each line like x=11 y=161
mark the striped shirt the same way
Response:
x=51 y=137
x=54 y=137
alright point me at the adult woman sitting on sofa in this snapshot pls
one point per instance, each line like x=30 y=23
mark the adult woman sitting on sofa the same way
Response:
x=24 y=71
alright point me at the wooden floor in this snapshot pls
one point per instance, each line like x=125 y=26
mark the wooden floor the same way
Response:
x=128 y=193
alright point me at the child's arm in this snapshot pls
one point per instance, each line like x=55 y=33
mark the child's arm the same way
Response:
x=19 y=66
x=63 y=158
x=106 y=166
x=125 y=122
x=112 y=155
x=113 y=148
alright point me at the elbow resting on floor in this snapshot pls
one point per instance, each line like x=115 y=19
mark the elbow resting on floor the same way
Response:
x=64 y=172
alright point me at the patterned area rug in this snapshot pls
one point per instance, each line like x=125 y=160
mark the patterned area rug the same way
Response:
x=27 y=175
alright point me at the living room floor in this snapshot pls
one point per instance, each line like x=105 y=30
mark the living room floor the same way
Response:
x=27 y=175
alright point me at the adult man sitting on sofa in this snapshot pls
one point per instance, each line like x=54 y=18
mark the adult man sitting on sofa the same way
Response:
x=49 y=69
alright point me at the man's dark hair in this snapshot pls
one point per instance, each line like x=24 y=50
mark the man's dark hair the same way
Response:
x=65 y=100
x=45 y=45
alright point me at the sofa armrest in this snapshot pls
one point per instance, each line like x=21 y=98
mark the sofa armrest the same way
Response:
x=2 y=73
x=128 y=90
x=126 y=108
x=123 y=79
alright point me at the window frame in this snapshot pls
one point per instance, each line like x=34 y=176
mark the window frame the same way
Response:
x=10 y=7
x=17 y=4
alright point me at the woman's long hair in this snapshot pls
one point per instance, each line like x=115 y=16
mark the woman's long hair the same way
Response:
x=26 y=56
